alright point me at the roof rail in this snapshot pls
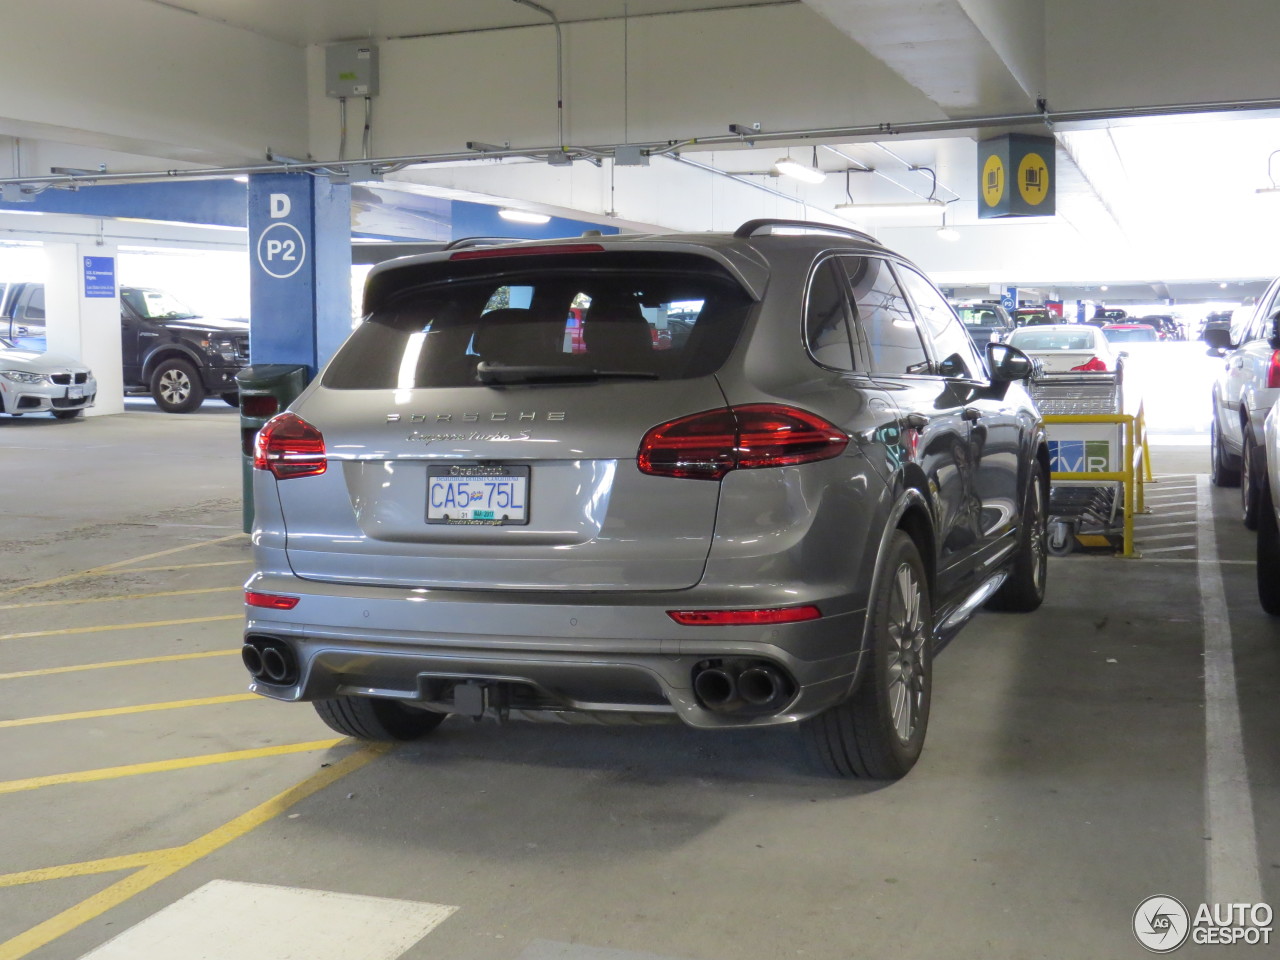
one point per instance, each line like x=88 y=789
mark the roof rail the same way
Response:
x=480 y=242
x=752 y=227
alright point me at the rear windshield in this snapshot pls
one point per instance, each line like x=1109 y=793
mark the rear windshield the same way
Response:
x=1052 y=340
x=1131 y=335
x=657 y=316
x=978 y=316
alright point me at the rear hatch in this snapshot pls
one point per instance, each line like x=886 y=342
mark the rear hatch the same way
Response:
x=481 y=427
x=1061 y=351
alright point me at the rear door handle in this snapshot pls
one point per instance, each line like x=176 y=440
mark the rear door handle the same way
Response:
x=972 y=414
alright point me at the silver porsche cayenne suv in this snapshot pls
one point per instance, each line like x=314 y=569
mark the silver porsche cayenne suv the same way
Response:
x=741 y=480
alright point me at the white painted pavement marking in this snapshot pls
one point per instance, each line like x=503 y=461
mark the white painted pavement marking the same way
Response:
x=227 y=919
x=1141 y=527
x=1231 y=853
x=1168 y=549
x=552 y=950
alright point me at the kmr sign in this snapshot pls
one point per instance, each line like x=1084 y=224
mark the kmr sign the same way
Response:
x=281 y=249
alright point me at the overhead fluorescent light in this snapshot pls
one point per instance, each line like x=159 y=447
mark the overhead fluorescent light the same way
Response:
x=793 y=168
x=523 y=216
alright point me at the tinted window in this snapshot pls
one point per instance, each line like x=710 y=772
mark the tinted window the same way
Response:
x=431 y=325
x=955 y=352
x=824 y=320
x=883 y=325
x=983 y=316
x=34 y=309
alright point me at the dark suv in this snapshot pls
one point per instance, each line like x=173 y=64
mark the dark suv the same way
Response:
x=482 y=506
x=166 y=349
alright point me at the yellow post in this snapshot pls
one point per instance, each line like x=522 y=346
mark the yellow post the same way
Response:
x=1129 y=493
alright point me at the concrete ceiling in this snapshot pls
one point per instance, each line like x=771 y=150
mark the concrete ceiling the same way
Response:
x=1162 y=203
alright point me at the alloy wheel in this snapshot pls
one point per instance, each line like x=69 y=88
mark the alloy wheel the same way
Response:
x=905 y=668
x=175 y=386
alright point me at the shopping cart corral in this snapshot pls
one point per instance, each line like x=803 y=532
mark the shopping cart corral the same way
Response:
x=1098 y=462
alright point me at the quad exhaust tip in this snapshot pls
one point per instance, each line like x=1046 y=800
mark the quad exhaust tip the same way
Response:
x=269 y=660
x=754 y=686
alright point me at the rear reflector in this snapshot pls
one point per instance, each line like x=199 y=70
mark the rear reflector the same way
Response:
x=259 y=405
x=289 y=447
x=273 y=601
x=724 y=618
x=1095 y=365
x=707 y=445
x=483 y=252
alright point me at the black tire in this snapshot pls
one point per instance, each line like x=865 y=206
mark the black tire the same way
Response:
x=1224 y=471
x=376 y=718
x=176 y=386
x=1024 y=590
x=864 y=735
x=1250 y=497
x=231 y=399
x=67 y=414
x=1268 y=554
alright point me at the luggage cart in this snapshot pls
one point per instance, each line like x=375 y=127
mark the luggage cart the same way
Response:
x=1083 y=514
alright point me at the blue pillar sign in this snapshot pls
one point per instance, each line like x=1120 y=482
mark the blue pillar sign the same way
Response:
x=300 y=268
x=1009 y=299
x=100 y=277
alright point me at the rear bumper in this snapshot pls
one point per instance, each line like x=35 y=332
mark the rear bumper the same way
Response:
x=615 y=653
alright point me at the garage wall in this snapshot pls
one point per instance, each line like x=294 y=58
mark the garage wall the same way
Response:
x=650 y=78
x=145 y=78
x=1164 y=51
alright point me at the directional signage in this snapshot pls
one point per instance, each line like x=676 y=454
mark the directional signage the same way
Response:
x=100 y=277
x=1016 y=176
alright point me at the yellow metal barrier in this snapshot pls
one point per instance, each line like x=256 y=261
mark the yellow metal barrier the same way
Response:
x=1134 y=474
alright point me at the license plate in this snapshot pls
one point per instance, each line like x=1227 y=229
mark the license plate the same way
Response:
x=478 y=495
x=75 y=393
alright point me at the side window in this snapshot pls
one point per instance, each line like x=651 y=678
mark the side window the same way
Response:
x=883 y=326
x=1261 y=328
x=825 y=328
x=34 y=309
x=957 y=356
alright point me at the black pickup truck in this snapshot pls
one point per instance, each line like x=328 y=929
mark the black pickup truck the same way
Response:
x=168 y=351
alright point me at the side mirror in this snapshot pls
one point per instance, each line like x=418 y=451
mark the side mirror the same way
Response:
x=1008 y=363
x=1218 y=339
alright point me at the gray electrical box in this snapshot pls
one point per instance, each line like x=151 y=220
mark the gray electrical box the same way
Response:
x=351 y=70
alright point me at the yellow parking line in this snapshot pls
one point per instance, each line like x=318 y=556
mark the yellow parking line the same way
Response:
x=122 y=596
x=189 y=566
x=180 y=857
x=87 y=868
x=50 y=671
x=162 y=766
x=123 y=711
x=117 y=565
x=119 y=626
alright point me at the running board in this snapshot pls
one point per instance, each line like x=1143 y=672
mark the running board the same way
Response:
x=975 y=600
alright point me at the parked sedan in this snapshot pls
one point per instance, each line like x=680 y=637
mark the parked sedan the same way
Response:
x=43 y=383
x=1067 y=348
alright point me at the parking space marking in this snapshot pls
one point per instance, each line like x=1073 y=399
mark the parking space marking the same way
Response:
x=122 y=596
x=164 y=766
x=86 y=868
x=1191 y=546
x=1231 y=840
x=139 y=661
x=185 y=566
x=124 y=711
x=180 y=857
x=1144 y=527
x=106 y=567
x=255 y=921
x=119 y=626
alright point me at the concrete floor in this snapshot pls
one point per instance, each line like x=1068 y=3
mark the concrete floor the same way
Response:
x=1063 y=782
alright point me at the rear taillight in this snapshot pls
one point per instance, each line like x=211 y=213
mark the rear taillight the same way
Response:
x=706 y=446
x=272 y=601
x=722 y=618
x=289 y=447
x=1095 y=365
x=1273 y=371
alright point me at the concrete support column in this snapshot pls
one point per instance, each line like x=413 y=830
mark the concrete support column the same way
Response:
x=300 y=263
x=82 y=308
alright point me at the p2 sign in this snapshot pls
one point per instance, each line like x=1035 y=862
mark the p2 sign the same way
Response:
x=281 y=250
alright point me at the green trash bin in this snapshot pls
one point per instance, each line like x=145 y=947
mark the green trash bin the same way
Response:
x=265 y=390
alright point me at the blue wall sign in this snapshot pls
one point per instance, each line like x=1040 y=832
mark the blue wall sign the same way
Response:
x=100 y=277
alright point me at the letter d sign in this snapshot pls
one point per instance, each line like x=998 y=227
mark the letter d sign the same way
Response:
x=280 y=205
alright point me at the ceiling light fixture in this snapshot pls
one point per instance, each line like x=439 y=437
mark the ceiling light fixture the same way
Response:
x=794 y=168
x=1273 y=188
x=523 y=216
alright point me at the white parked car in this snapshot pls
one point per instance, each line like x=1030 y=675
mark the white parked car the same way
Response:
x=1067 y=348
x=44 y=383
